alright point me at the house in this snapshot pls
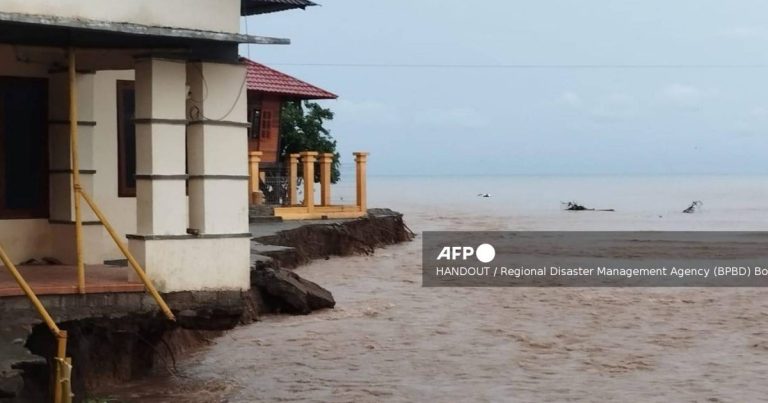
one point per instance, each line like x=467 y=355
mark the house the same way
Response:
x=267 y=90
x=145 y=87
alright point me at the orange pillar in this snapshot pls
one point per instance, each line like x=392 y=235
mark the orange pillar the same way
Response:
x=308 y=159
x=254 y=157
x=326 y=159
x=293 y=162
x=361 y=158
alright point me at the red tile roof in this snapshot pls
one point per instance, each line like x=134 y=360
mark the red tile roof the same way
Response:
x=250 y=7
x=264 y=79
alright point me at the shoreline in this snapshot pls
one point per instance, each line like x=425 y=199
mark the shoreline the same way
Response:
x=114 y=350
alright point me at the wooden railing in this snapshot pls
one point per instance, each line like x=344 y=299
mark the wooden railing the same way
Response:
x=307 y=209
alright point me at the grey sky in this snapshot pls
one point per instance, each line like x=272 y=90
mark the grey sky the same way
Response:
x=537 y=120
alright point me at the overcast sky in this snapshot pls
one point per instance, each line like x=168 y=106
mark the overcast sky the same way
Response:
x=695 y=118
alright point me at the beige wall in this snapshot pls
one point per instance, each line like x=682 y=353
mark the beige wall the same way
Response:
x=34 y=238
x=121 y=211
x=209 y=15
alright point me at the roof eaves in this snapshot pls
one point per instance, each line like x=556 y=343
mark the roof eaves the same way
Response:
x=307 y=90
x=138 y=29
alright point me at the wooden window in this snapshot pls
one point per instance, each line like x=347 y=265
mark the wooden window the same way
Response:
x=23 y=148
x=254 y=118
x=266 y=124
x=126 y=139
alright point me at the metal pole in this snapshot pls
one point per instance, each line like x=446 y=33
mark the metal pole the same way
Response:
x=136 y=266
x=60 y=361
x=75 y=170
x=29 y=293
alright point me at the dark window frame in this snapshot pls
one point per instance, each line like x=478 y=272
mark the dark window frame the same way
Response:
x=42 y=210
x=123 y=187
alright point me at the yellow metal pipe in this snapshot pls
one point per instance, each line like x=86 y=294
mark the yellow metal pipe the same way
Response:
x=67 y=385
x=29 y=293
x=136 y=266
x=73 y=145
x=59 y=388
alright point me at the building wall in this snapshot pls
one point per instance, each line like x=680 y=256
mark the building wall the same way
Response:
x=218 y=159
x=209 y=15
x=34 y=238
x=121 y=211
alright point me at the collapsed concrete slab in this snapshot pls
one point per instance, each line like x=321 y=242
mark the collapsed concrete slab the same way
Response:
x=284 y=291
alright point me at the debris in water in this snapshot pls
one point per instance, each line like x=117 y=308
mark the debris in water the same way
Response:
x=694 y=207
x=573 y=206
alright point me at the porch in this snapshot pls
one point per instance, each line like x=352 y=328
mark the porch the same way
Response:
x=62 y=280
x=289 y=207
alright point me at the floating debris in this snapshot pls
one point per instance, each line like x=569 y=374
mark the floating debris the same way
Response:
x=694 y=207
x=574 y=206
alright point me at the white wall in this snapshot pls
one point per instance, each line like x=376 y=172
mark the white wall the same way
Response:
x=196 y=264
x=209 y=15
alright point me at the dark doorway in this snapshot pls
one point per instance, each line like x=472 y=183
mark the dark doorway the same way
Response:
x=23 y=147
x=126 y=138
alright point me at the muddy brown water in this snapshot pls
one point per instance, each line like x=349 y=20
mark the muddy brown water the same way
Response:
x=389 y=339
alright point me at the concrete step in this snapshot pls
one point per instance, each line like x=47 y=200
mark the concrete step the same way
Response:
x=261 y=210
x=264 y=219
x=262 y=214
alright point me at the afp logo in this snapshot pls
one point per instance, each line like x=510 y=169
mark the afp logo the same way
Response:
x=484 y=253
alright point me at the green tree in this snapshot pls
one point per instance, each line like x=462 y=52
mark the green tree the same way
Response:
x=301 y=129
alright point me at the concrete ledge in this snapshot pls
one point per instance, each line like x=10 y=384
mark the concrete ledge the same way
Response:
x=227 y=177
x=319 y=212
x=145 y=121
x=70 y=222
x=66 y=122
x=186 y=236
x=220 y=123
x=69 y=171
x=161 y=177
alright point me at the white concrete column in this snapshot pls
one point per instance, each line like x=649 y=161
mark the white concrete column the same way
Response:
x=216 y=253
x=60 y=161
x=160 y=147
x=61 y=195
x=217 y=147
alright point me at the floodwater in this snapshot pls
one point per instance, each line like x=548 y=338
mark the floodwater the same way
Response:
x=389 y=339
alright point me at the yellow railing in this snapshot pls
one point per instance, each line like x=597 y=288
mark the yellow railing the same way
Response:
x=308 y=209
